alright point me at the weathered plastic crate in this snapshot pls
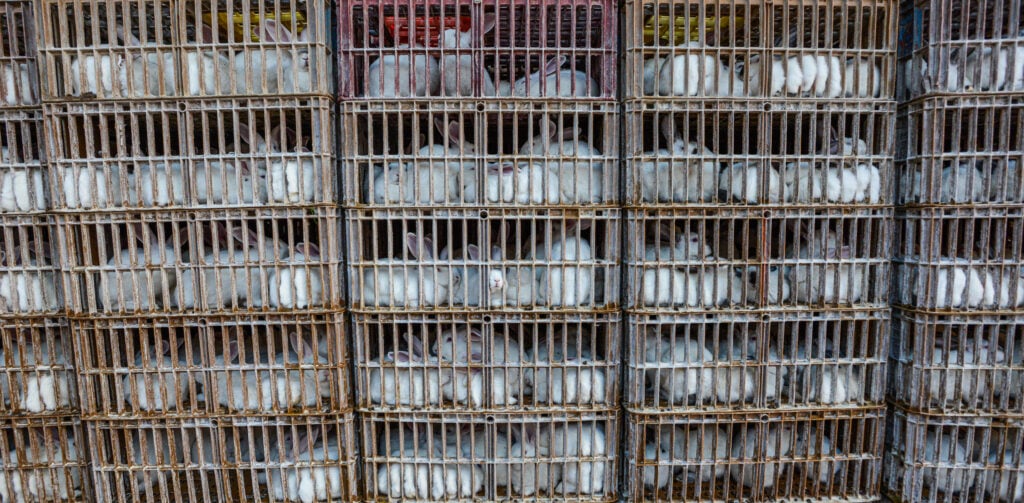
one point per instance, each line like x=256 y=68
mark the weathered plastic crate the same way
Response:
x=566 y=457
x=119 y=50
x=37 y=368
x=727 y=260
x=748 y=153
x=960 y=259
x=933 y=458
x=213 y=262
x=962 y=150
x=211 y=366
x=458 y=260
x=23 y=177
x=465 y=155
x=737 y=362
x=486 y=49
x=19 y=85
x=44 y=460
x=493 y=362
x=958 y=364
x=30 y=283
x=832 y=50
x=233 y=459
x=821 y=456
x=192 y=155
x=952 y=46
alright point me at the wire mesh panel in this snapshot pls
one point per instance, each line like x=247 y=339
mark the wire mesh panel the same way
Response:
x=488 y=49
x=833 y=360
x=285 y=459
x=958 y=364
x=490 y=362
x=37 y=373
x=268 y=261
x=935 y=458
x=556 y=260
x=19 y=85
x=744 y=457
x=29 y=280
x=960 y=259
x=710 y=260
x=215 y=365
x=831 y=50
x=23 y=179
x=44 y=460
x=567 y=457
x=957 y=46
x=964 y=150
x=457 y=155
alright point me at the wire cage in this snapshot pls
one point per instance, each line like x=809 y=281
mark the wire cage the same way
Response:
x=826 y=456
x=713 y=259
x=952 y=46
x=963 y=150
x=518 y=260
x=120 y=50
x=192 y=367
x=210 y=261
x=37 y=368
x=19 y=86
x=945 y=458
x=958 y=364
x=44 y=460
x=745 y=363
x=565 y=457
x=487 y=362
x=749 y=153
x=959 y=260
x=830 y=50
x=194 y=155
x=463 y=155
x=29 y=278
x=23 y=185
x=414 y=49
x=308 y=458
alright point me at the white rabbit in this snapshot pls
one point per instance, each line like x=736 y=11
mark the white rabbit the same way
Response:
x=21 y=189
x=565 y=285
x=794 y=75
x=777 y=288
x=1010 y=296
x=948 y=457
x=829 y=80
x=964 y=184
x=157 y=381
x=829 y=282
x=207 y=72
x=17 y=85
x=668 y=287
x=403 y=74
x=1006 y=180
x=395 y=283
x=848 y=147
x=741 y=183
x=463 y=346
x=652 y=68
x=408 y=378
x=691 y=73
x=276 y=69
x=500 y=453
x=842 y=185
x=688 y=246
x=470 y=275
x=747 y=447
x=138 y=279
x=565 y=375
x=46 y=386
x=679 y=180
x=869 y=183
x=91 y=187
x=583 y=440
x=680 y=370
x=950 y=287
x=156 y=450
x=735 y=382
x=240 y=387
x=312 y=473
x=99 y=75
x=153 y=74
x=966 y=375
x=862 y=78
x=530 y=471
x=809 y=72
x=228 y=183
x=159 y=184
x=408 y=479
x=580 y=182
x=803 y=182
x=27 y=285
x=1007 y=483
x=299 y=284
x=776 y=374
x=30 y=477
x=703 y=449
x=807 y=445
x=293 y=180
x=441 y=175
x=460 y=479
x=658 y=468
x=520 y=288
x=752 y=72
x=302 y=388
x=230 y=277
x=551 y=81
x=829 y=384
x=458 y=69
x=978 y=70
x=522 y=183
x=392 y=184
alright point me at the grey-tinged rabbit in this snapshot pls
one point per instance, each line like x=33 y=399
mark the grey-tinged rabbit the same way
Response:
x=587 y=441
x=684 y=178
x=158 y=381
x=313 y=472
x=286 y=66
x=703 y=449
x=400 y=283
x=404 y=73
x=457 y=69
x=45 y=380
x=409 y=378
x=22 y=480
x=747 y=446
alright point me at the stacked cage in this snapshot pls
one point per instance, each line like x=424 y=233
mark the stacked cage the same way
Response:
x=479 y=148
x=42 y=441
x=957 y=351
x=198 y=221
x=758 y=214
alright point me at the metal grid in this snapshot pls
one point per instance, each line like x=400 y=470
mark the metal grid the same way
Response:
x=37 y=371
x=949 y=46
x=964 y=150
x=118 y=49
x=23 y=185
x=191 y=155
x=44 y=460
x=953 y=458
x=752 y=457
x=190 y=367
x=747 y=153
x=29 y=279
x=19 y=76
x=959 y=260
x=958 y=364
x=568 y=457
x=415 y=50
x=716 y=260
x=466 y=154
x=494 y=362
x=831 y=50
x=211 y=261
x=556 y=260
x=735 y=362
x=284 y=459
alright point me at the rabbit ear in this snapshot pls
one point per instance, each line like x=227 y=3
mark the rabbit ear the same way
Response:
x=668 y=129
x=844 y=252
x=554 y=64
x=473 y=252
x=401 y=356
x=454 y=134
x=232 y=350
x=490 y=20
x=308 y=249
x=496 y=252
x=140 y=234
x=126 y=35
x=274 y=31
x=412 y=241
x=415 y=344
x=205 y=34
